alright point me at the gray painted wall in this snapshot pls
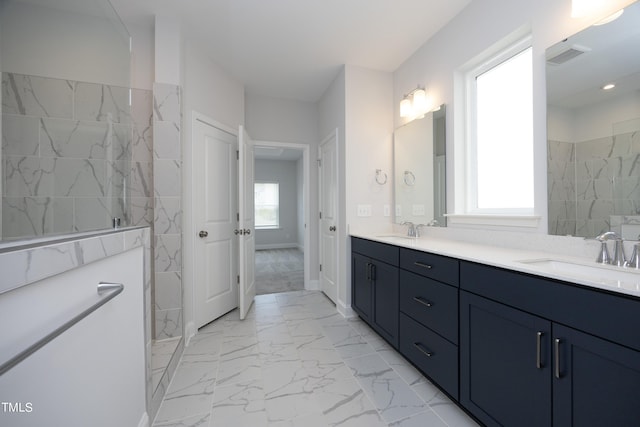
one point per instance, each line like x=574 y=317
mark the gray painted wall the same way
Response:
x=286 y=174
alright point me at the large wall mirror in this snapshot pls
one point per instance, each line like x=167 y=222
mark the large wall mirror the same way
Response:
x=65 y=162
x=419 y=170
x=593 y=129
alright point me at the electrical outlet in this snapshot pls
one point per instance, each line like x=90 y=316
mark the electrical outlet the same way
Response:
x=387 y=210
x=398 y=210
x=417 y=210
x=364 y=210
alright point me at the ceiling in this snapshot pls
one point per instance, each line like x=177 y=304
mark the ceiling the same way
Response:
x=611 y=57
x=294 y=48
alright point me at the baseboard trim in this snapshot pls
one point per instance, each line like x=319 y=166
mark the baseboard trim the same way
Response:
x=144 y=421
x=189 y=332
x=277 y=246
x=313 y=285
x=345 y=310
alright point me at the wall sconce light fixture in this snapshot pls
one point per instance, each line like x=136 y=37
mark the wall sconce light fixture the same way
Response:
x=415 y=104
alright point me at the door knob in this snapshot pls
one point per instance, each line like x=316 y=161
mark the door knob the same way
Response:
x=203 y=234
x=332 y=228
x=236 y=231
x=247 y=231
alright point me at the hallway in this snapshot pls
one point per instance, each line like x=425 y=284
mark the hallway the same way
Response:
x=297 y=362
x=279 y=270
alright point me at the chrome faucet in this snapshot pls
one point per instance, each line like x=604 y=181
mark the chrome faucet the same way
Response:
x=411 y=228
x=418 y=227
x=619 y=257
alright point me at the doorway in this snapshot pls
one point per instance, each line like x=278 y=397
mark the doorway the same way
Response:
x=282 y=217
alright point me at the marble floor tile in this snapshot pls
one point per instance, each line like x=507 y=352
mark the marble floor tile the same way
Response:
x=190 y=393
x=344 y=403
x=390 y=394
x=296 y=362
x=240 y=404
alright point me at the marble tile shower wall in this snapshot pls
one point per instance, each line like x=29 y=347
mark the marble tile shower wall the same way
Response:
x=167 y=164
x=591 y=181
x=73 y=154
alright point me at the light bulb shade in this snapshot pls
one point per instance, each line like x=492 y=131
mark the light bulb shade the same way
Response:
x=420 y=104
x=405 y=108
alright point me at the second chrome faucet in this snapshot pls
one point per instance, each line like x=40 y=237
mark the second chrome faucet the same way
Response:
x=619 y=259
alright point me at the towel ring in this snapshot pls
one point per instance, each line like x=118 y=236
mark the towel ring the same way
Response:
x=380 y=179
x=409 y=178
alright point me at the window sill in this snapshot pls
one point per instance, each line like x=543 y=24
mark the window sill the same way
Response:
x=523 y=221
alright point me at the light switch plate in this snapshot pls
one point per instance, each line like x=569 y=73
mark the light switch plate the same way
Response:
x=387 y=210
x=364 y=210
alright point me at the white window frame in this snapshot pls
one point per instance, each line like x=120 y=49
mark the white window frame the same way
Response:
x=471 y=190
x=277 y=225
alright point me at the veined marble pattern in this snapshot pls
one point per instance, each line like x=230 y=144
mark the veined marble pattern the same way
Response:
x=68 y=152
x=167 y=209
x=282 y=366
x=591 y=181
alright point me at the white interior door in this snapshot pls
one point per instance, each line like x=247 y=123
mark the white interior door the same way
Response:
x=215 y=181
x=246 y=228
x=328 y=216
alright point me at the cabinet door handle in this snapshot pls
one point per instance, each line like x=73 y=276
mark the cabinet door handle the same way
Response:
x=539 y=350
x=369 y=271
x=557 y=345
x=423 y=265
x=423 y=301
x=373 y=272
x=423 y=350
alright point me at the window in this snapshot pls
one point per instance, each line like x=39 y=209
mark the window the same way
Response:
x=500 y=134
x=267 y=204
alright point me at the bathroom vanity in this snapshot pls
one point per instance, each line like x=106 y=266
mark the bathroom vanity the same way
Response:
x=510 y=336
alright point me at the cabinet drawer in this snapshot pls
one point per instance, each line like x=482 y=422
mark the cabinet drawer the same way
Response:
x=377 y=250
x=436 y=267
x=431 y=303
x=431 y=353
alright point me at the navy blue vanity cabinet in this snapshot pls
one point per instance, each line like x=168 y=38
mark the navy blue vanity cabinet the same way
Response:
x=504 y=381
x=374 y=286
x=539 y=352
x=429 y=315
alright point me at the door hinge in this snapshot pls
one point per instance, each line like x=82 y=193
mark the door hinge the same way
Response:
x=320 y=267
x=320 y=215
x=319 y=163
x=237 y=154
x=238 y=279
x=237 y=216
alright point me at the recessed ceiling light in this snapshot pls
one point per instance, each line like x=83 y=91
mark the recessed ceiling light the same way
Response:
x=608 y=86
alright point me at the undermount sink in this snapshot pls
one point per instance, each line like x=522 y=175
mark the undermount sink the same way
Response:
x=395 y=236
x=604 y=274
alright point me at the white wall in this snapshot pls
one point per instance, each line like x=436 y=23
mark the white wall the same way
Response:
x=209 y=90
x=48 y=42
x=282 y=120
x=368 y=146
x=283 y=172
x=478 y=27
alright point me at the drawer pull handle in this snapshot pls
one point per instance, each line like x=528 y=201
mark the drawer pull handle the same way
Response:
x=539 y=350
x=422 y=349
x=423 y=265
x=423 y=301
x=558 y=373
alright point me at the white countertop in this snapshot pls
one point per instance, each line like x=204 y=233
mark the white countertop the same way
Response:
x=569 y=269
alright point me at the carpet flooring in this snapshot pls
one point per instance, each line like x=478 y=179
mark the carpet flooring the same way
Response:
x=279 y=270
